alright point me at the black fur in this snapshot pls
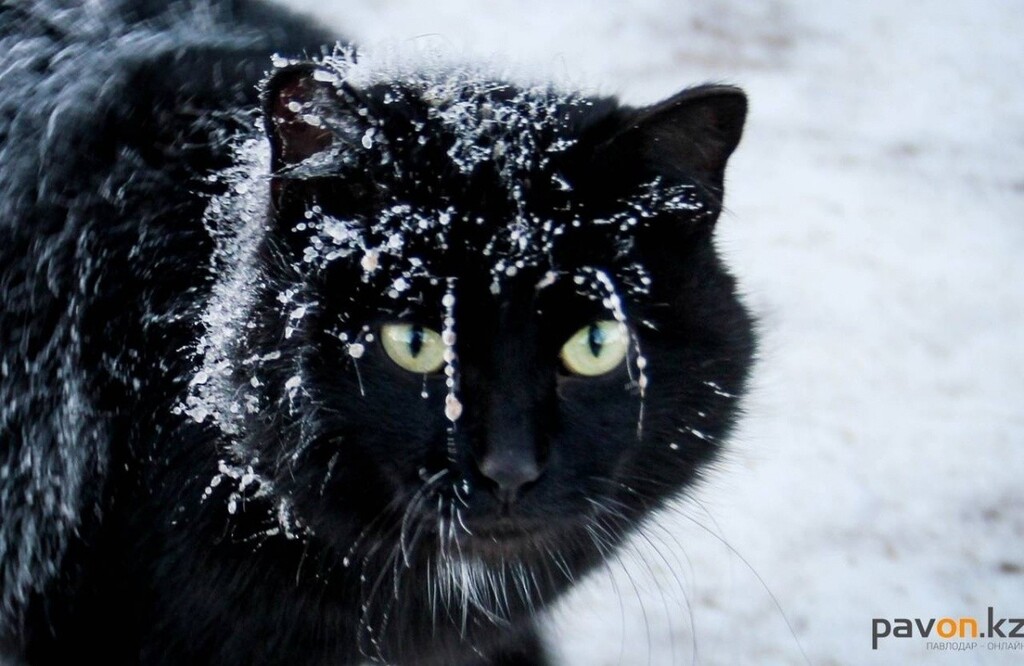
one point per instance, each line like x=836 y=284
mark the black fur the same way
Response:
x=206 y=459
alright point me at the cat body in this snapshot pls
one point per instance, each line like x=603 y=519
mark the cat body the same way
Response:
x=349 y=362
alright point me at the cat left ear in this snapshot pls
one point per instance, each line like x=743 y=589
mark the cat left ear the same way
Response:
x=296 y=102
x=691 y=134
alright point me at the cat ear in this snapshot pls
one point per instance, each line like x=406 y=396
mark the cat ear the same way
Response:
x=691 y=134
x=297 y=101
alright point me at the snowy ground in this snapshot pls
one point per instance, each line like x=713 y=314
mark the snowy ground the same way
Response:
x=877 y=224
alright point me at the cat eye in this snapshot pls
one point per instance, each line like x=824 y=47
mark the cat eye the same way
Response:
x=413 y=347
x=596 y=349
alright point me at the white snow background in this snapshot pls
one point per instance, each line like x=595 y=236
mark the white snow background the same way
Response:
x=876 y=222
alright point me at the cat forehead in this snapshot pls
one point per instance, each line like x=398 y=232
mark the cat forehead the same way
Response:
x=401 y=252
x=443 y=172
x=431 y=126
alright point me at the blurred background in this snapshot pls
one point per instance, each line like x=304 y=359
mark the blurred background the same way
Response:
x=876 y=223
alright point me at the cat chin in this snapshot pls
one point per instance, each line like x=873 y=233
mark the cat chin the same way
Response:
x=495 y=551
x=493 y=540
x=504 y=539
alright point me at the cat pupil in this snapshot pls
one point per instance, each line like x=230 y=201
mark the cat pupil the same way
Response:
x=415 y=340
x=596 y=339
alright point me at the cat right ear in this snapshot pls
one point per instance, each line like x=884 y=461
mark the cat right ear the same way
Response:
x=297 y=101
x=689 y=135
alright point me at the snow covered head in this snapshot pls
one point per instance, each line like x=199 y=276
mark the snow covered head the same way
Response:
x=484 y=322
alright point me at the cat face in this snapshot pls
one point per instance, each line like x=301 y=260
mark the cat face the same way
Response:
x=487 y=319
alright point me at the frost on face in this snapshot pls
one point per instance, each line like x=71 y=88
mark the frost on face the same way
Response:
x=598 y=284
x=452 y=404
x=398 y=247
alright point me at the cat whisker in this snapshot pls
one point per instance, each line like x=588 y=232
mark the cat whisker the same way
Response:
x=399 y=552
x=458 y=515
x=641 y=531
x=431 y=592
x=600 y=546
x=503 y=582
x=302 y=560
x=609 y=532
x=524 y=585
x=764 y=585
x=538 y=588
x=456 y=488
x=642 y=557
x=384 y=513
x=679 y=509
x=676 y=548
x=368 y=598
x=405 y=546
x=330 y=472
x=611 y=537
x=560 y=563
x=412 y=508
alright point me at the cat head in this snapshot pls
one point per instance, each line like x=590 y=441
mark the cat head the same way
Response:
x=480 y=315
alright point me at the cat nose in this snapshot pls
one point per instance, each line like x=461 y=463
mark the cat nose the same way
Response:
x=509 y=471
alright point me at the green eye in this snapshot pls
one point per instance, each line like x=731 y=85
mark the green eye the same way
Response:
x=596 y=349
x=413 y=347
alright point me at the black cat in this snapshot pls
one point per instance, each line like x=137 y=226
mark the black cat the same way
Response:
x=349 y=362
